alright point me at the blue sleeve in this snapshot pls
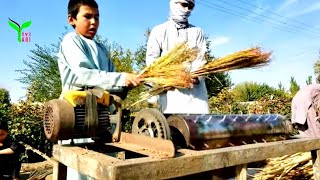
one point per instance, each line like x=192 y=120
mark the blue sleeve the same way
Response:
x=77 y=57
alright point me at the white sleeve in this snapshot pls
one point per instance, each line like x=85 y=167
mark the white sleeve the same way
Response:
x=153 y=47
x=201 y=44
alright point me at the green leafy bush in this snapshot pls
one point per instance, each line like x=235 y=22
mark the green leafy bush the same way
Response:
x=26 y=125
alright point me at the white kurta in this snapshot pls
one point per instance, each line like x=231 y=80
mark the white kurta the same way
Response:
x=162 y=39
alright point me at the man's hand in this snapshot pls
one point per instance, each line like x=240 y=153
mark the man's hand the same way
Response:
x=195 y=81
x=133 y=79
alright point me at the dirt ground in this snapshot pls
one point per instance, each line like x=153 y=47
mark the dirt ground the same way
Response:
x=36 y=171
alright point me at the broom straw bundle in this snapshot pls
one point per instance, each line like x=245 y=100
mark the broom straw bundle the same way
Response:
x=179 y=56
x=170 y=71
x=249 y=58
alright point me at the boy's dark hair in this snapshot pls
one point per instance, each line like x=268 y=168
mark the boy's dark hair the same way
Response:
x=3 y=125
x=74 y=6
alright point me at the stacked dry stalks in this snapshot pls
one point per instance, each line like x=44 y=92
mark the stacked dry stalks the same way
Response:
x=170 y=71
x=294 y=166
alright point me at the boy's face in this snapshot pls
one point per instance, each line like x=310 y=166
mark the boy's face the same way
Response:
x=87 y=21
x=3 y=135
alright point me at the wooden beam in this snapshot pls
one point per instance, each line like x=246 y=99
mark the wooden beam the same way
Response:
x=241 y=172
x=87 y=162
x=59 y=171
x=316 y=164
x=200 y=161
x=186 y=162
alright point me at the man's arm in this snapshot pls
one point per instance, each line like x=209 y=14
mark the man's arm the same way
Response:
x=153 y=47
x=201 y=44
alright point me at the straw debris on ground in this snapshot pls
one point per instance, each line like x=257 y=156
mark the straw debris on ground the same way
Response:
x=296 y=166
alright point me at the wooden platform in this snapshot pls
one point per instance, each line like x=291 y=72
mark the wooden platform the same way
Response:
x=120 y=164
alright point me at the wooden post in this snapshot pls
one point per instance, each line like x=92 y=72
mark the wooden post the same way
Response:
x=241 y=172
x=59 y=171
x=316 y=163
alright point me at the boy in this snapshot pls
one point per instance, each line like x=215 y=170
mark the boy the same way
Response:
x=81 y=60
x=166 y=36
x=9 y=154
x=84 y=62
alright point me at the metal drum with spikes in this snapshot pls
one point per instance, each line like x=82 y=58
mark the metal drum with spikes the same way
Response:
x=214 y=131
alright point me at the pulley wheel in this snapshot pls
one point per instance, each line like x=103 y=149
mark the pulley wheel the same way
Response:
x=151 y=122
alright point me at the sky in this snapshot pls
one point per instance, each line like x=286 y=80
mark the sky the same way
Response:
x=290 y=29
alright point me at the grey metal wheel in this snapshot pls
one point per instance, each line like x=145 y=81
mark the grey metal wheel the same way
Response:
x=151 y=122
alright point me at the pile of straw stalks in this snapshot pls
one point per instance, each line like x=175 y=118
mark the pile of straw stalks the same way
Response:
x=296 y=166
x=173 y=69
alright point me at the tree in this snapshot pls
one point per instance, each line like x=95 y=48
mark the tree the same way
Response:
x=294 y=87
x=309 y=80
x=252 y=91
x=215 y=82
x=316 y=69
x=41 y=74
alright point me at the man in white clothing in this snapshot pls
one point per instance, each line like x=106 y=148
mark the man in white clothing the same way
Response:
x=165 y=37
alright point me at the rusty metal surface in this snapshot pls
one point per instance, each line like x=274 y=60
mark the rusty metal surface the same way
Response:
x=58 y=120
x=152 y=147
x=62 y=121
x=213 y=131
x=151 y=122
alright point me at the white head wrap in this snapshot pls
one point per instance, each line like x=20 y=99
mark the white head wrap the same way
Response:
x=179 y=14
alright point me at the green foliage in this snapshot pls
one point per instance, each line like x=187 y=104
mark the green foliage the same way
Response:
x=127 y=61
x=294 y=87
x=252 y=91
x=225 y=103
x=4 y=104
x=26 y=125
x=316 y=69
x=309 y=80
x=276 y=105
x=215 y=82
x=41 y=75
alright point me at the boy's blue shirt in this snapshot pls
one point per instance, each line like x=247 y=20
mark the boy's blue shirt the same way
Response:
x=85 y=62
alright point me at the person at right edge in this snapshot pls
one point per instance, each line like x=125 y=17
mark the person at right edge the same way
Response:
x=165 y=37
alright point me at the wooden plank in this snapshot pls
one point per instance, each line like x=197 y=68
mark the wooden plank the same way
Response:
x=241 y=172
x=185 y=162
x=59 y=171
x=90 y=163
x=200 y=161
x=316 y=164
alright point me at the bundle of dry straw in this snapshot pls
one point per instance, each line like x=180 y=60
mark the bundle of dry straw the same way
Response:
x=249 y=58
x=296 y=166
x=170 y=71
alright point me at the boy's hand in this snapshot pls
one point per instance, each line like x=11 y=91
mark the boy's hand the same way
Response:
x=133 y=79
